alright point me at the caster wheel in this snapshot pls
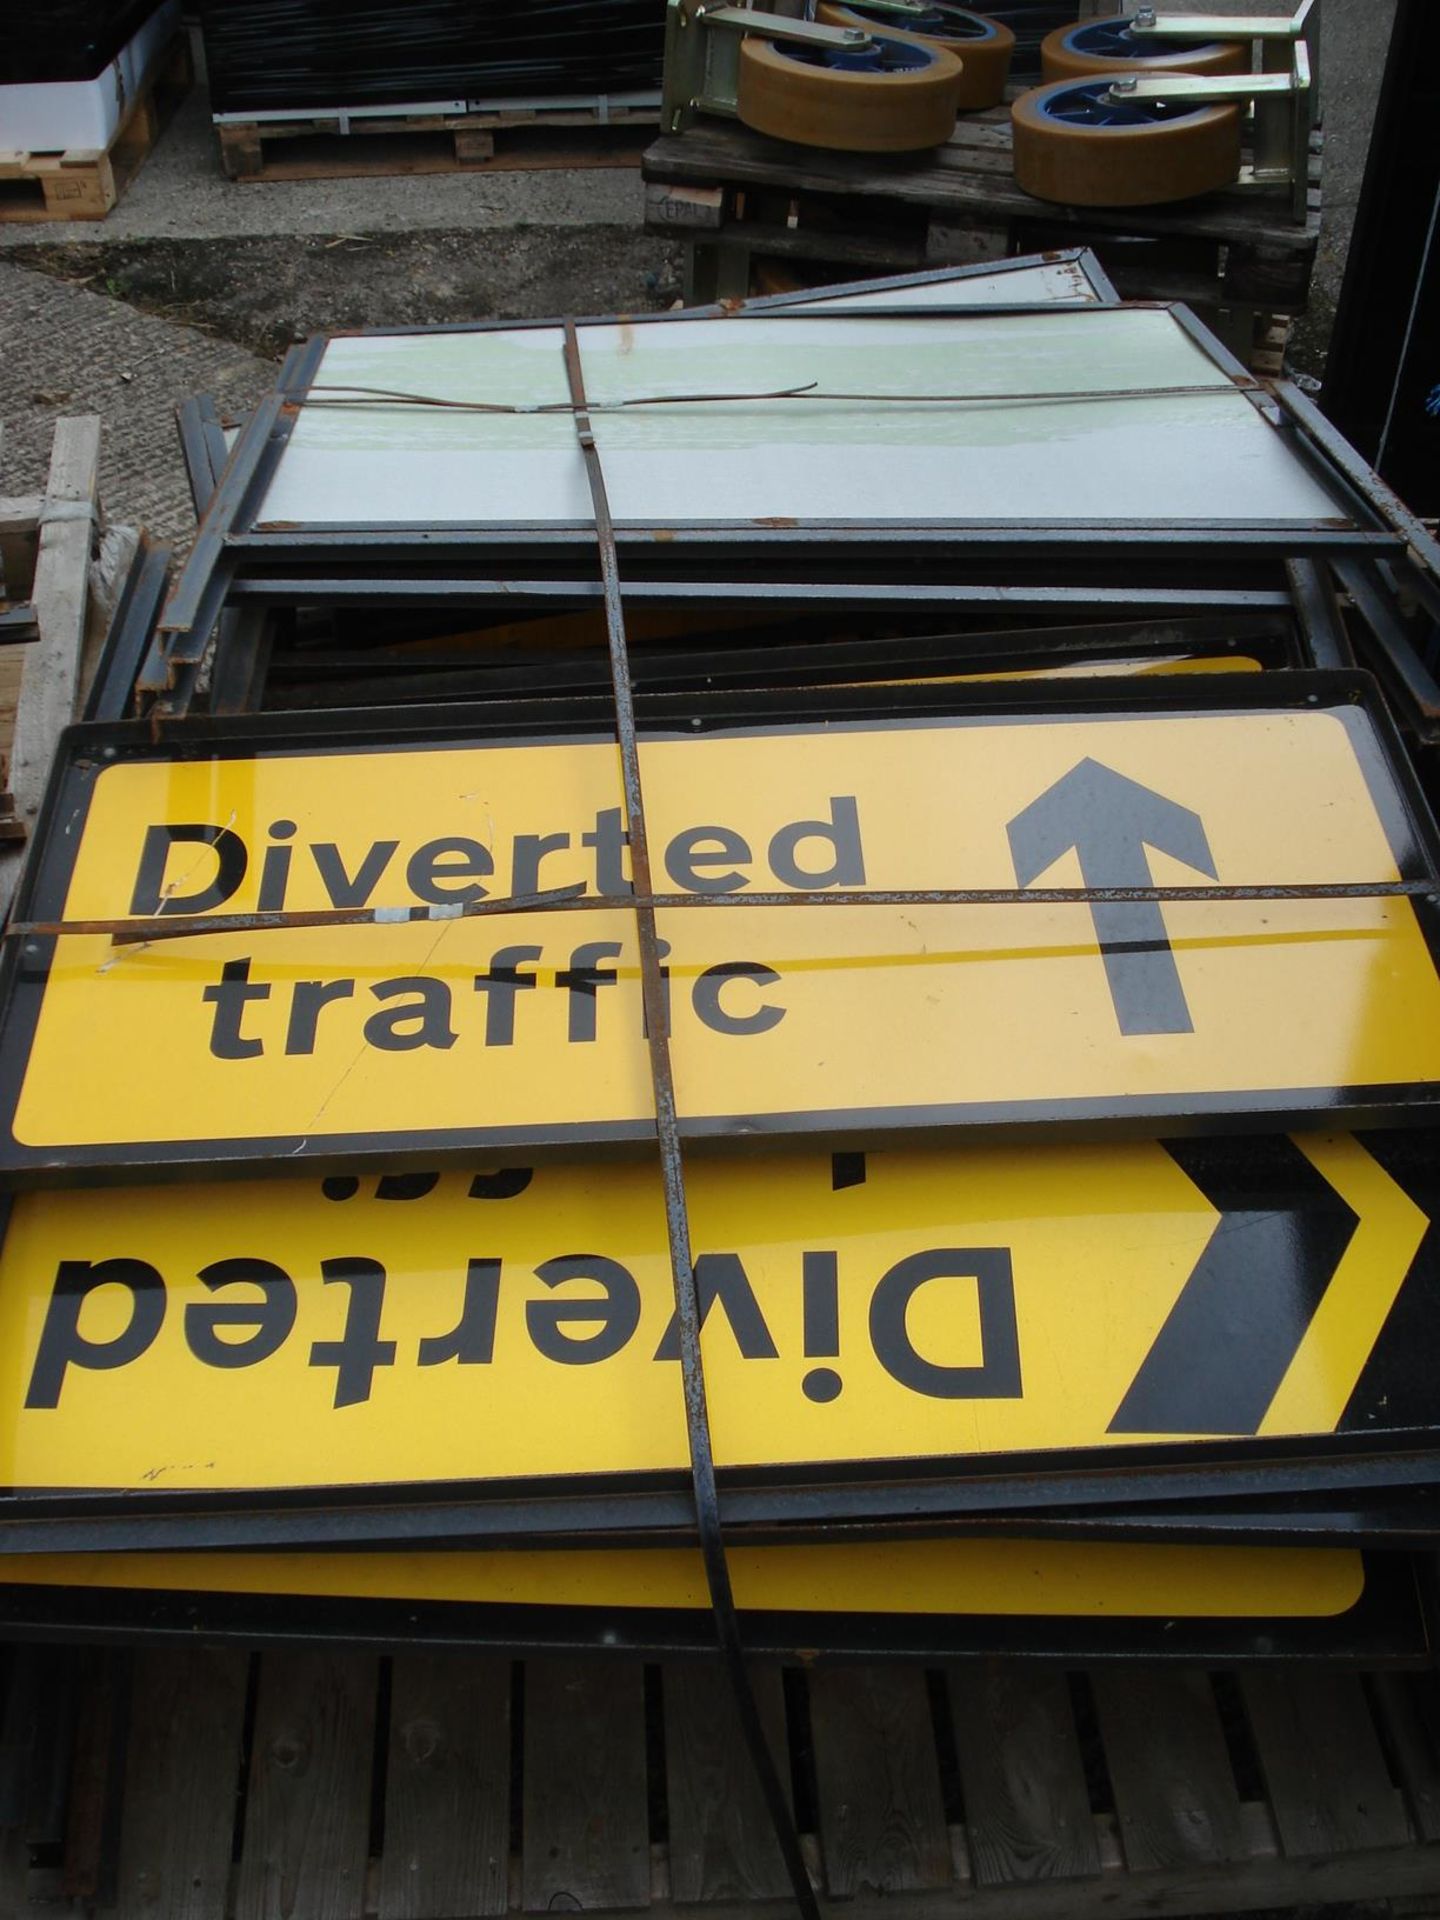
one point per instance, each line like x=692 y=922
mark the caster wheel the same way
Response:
x=893 y=96
x=1109 y=46
x=1074 y=146
x=983 y=47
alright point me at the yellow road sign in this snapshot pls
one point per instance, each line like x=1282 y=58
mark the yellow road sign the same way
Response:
x=514 y=1326
x=1018 y=1578
x=439 y=1034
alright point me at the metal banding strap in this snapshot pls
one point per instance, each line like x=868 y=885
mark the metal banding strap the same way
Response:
x=186 y=926
x=667 y=1131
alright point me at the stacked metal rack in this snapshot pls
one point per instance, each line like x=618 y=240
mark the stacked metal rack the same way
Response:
x=1071 y=681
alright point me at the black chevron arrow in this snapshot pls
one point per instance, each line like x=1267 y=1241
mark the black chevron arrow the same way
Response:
x=1399 y=1385
x=1110 y=820
x=1220 y=1357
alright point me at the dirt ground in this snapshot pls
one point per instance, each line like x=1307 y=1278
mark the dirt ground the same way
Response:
x=263 y=292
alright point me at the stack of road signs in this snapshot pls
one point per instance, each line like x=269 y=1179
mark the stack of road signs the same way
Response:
x=903 y=753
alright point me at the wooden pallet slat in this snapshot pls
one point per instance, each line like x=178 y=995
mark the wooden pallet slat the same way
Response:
x=1176 y=1844
x=181 y=1780
x=26 y=1696
x=1409 y=1709
x=959 y=175
x=881 y=1812
x=56 y=1717
x=92 y=1821
x=1323 y=1763
x=1027 y=1810
x=1175 y=1791
x=307 y=1817
x=50 y=675
x=722 y=1843
x=586 y=1831
x=447 y=1789
x=743 y=201
x=326 y=147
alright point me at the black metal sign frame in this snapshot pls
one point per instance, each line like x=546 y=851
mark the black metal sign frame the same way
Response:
x=232 y=537
x=1392 y=1624
x=86 y=750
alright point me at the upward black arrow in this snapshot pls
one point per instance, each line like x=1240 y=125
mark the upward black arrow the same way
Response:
x=1110 y=820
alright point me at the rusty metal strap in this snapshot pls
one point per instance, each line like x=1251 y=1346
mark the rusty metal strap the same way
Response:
x=667 y=1131
x=185 y=926
x=378 y=397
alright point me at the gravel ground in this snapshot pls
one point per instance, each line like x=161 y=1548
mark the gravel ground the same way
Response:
x=263 y=291
x=69 y=350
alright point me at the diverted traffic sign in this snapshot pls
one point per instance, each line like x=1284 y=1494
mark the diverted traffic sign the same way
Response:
x=1047 y=1307
x=419 y=1027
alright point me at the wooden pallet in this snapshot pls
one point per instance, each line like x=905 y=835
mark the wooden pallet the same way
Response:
x=327 y=146
x=198 y=1783
x=752 y=210
x=85 y=185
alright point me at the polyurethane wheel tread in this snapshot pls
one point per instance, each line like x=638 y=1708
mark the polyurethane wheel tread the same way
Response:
x=1060 y=60
x=984 y=58
x=1194 y=150
x=791 y=98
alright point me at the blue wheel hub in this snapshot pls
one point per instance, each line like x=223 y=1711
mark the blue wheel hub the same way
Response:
x=948 y=23
x=881 y=56
x=1088 y=104
x=1115 y=40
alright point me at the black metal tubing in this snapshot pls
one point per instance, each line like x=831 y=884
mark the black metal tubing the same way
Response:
x=1351 y=1515
x=1082 y=257
x=1404 y=575
x=564 y=595
x=673 y=540
x=203 y=447
x=1382 y=499
x=688 y=1313
x=1190 y=1480
x=1406 y=1519
x=1318 y=611
x=18 y=626
x=540 y=720
x=242 y=657
x=1407 y=679
x=721 y=310
x=1388 y=1626
x=316 y=675
x=195 y=605
x=131 y=634
x=1213 y=347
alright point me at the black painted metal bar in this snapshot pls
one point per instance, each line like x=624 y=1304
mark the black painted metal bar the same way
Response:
x=131 y=634
x=1319 y=615
x=667 y=1130
x=376 y=590
x=1407 y=679
x=203 y=447
x=1382 y=499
